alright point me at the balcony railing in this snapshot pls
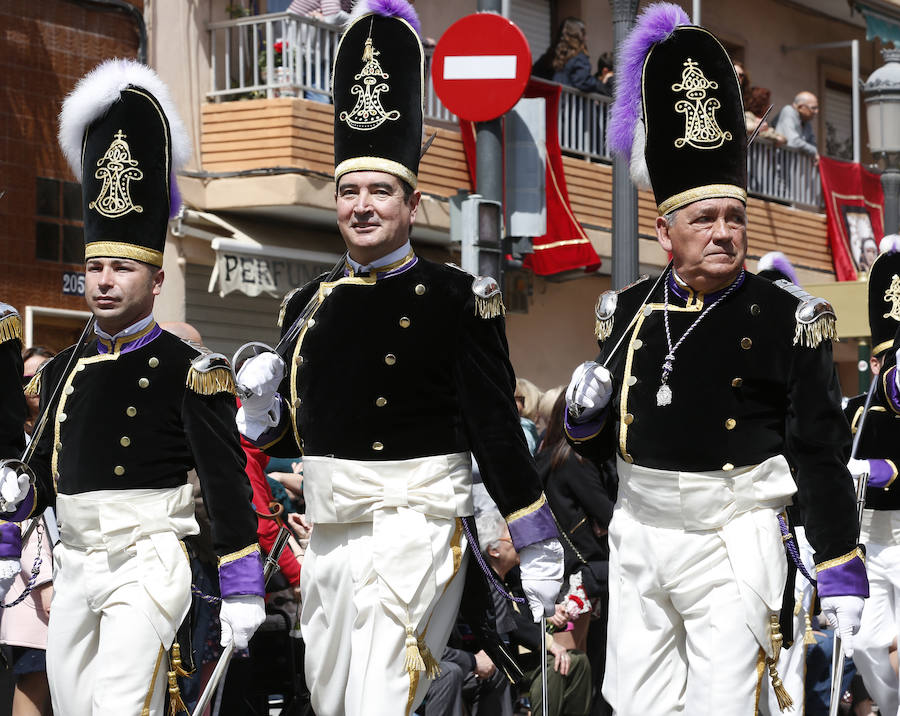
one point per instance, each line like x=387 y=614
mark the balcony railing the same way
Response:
x=287 y=55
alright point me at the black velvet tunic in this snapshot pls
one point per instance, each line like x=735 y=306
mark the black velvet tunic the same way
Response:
x=880 y=440
x=12 y=403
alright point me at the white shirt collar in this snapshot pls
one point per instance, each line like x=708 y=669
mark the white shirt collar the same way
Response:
x=125 y=332
x=393 y=257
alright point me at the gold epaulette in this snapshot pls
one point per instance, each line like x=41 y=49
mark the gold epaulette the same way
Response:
x=33 y=388
x=604 y=314
x=816 y=319
x=10 y=324
x=211 y=373
x=284 y=304
x=488 y=299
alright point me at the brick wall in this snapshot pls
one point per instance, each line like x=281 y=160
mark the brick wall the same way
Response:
x=45 y=47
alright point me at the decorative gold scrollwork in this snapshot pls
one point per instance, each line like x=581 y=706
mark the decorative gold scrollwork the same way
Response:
x=892 y=296
x=117 y=170
x=701 y=130
x=368 y=113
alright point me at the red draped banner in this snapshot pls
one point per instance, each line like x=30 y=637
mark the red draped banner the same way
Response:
x=565 y=246
x=854 y=208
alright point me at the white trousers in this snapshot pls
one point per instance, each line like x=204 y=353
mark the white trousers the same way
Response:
x=355 y=644
x=119 y=595
x=696 y=569
x=881 y=613
x=792 y=662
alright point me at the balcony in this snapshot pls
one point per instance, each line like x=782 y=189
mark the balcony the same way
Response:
x=269 y=111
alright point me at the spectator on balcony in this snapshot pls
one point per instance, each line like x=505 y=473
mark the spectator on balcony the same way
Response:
x=756 y=102
x=743 y=79
x=795 y=122
x=567 y=61
x=335 y=12
x=606 y=73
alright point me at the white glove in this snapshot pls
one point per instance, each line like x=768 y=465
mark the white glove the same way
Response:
x=260 y=376
x=843 y=615
x=9 y=568
x=241 y=616
x=13 y=489
x=589 y=391
x=858 y=468
x=541 y=565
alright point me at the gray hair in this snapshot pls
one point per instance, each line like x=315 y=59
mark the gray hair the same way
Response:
x=491 y=528
x=670 y=217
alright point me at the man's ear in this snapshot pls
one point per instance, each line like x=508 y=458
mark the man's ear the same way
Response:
x=158 y=279
x=662 y=234
x=414 y=200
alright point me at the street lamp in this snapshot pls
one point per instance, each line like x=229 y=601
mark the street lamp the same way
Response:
x=882 y=96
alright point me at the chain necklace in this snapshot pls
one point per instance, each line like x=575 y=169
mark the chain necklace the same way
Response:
x=664 y=394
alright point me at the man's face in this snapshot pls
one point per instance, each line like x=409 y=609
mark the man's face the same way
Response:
x=120 y=292
x=373 y=216
x=708 y=242
x=807 y=107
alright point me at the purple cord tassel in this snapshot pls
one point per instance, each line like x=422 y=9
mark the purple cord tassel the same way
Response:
x=473 y=544
x=791 y=546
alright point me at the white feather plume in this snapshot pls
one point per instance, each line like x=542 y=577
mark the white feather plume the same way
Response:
x=640 y=174
x=96 y=92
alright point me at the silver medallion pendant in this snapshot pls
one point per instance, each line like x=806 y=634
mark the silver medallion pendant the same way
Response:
x=663 y=395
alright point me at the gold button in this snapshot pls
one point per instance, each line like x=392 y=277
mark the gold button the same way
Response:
x=70 y=389
x=143 y=382
x=298 y=360
x=737 y=382
x=628 y=419
x=328 y=291
x=404 y=322
x=627 y=458
x=125 y=441
x=153 y=362
x=647 y=311
x=58 y=447
x=390 y=359
x=377 y=446
x=727 y=466
x=80 y=367
x=420 y=289
x=62 y=417
x=297 y=402
x=637 y=343
x=381 y=402
x=631 y=380
x=730 y=423
x=130 y=411
x=754 y=309
x=746 y=343
x=119 y=470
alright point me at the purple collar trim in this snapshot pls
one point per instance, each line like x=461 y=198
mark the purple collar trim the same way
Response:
x=686 y=293
x=130 y=343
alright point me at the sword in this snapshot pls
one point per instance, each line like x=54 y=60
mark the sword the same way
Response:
x=544 y=705
x=221 y=668
x=837 y=655
x=281 y=348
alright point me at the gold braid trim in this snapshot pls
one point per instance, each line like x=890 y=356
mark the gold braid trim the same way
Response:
x=234 y=556
x=10 y=328
x=810 y=335
x=490 y=307
x=33 y=389
x=216 y=380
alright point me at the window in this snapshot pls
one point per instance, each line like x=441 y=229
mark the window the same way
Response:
x=838 y=120
x=58 y=226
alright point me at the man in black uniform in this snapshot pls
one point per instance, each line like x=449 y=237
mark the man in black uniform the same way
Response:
x=400 y=371
x=878 y=455
x=12 y=433
x=137 y=409
x=713 y=388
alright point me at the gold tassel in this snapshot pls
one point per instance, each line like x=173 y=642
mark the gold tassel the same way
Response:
x=431 y=665
x=490 y=307
x=812 y=334
x=808 y=636
x=10 y=328
x=603 y=328
x=176 y=660
x=414 y=661
x=216 y=380
x=176 y=703
x=775 y=636
x=33 y=389
x=782 y=696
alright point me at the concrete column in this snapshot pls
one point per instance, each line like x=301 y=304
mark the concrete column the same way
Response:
x=890 y=182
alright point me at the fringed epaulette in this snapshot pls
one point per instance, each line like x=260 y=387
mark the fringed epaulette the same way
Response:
x=10 y=324
x=816 y=320
x=488 y=299
x=33 y=388
x=604 y=314
x=284 y=304
x=211 y=373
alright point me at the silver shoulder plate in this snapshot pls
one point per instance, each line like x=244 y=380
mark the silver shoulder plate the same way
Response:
x=485 y=287
x=606 y=305
x=810 y=308
x=207 y=360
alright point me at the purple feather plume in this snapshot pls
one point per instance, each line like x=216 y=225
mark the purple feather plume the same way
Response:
x=174 y=197
x=777 y=261
x=653 y=25
x=389 y=8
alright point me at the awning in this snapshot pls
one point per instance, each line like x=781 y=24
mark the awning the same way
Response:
x=882 y=21
x=247 y=265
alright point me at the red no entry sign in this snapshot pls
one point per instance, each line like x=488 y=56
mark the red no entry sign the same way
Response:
x=481 y=66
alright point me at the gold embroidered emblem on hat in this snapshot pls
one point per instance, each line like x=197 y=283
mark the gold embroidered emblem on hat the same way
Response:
x=117 y=170
x=892 y=295
x=701 y=130
x=368 y=113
